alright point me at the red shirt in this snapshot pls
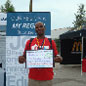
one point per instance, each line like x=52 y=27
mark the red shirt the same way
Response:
x=41 y=73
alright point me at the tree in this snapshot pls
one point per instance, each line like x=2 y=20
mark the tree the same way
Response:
x=80 y=17
x=57 y=41
x=8 y=7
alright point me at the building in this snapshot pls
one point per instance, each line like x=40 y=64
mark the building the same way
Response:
x=56 y=32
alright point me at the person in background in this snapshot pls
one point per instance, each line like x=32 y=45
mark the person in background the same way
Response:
x=40 y=76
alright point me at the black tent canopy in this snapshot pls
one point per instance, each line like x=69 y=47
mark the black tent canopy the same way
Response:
x=73 y=34
x=73 y=46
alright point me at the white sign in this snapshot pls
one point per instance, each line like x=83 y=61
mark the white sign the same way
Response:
x=39 y=59
x=3 y=18
x=16 y=74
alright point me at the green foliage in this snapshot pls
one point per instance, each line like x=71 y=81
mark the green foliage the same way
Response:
x=8 y=7
x=80 y=17
x=57 y=41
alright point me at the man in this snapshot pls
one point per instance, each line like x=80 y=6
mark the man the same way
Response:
x=40 y=76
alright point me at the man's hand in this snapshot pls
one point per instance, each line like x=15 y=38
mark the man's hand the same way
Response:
x=22 y=59
x=58 y=59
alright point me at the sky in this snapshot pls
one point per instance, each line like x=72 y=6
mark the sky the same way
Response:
x=62 y=11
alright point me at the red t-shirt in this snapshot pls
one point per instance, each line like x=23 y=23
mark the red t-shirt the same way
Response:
x=41 y=73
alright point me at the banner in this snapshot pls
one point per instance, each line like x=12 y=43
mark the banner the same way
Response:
x=20 y=28
x=3 y=20
x=23 y=24
x=16 y=74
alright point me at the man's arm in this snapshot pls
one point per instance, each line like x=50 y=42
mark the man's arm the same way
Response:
x=22 y=59
x=57 y=57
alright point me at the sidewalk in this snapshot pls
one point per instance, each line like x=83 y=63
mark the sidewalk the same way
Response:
x=68 y=75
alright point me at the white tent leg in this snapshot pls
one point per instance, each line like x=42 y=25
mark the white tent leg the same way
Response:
x=82 y=55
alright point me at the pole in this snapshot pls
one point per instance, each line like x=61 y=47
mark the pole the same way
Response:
x=82 y=54
x=30 y=6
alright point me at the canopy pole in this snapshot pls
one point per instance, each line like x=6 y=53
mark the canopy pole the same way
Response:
x=82 y=54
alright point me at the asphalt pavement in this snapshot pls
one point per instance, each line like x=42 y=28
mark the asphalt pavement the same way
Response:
x=69 y=75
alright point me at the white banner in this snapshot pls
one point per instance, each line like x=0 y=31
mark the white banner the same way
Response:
x=16 y=74
x=3 y=18
x=16 y=37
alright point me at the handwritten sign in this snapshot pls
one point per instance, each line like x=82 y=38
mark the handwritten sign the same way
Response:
x=39 y=59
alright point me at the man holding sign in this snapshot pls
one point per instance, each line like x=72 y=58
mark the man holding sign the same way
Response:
x=40 y=76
